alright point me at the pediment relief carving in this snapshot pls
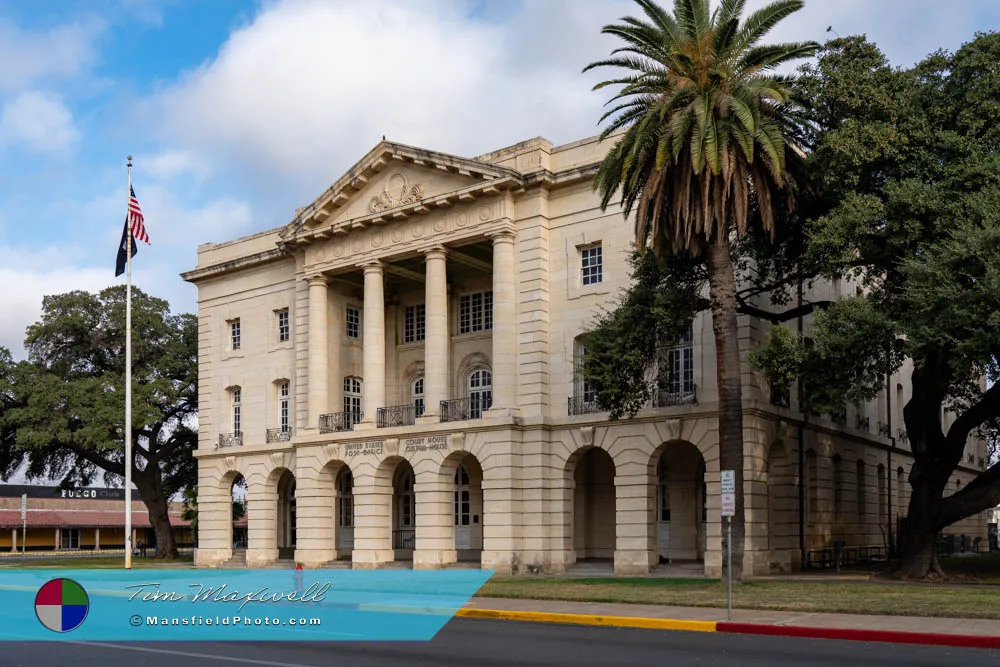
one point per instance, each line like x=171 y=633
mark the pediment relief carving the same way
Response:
x=395 y=192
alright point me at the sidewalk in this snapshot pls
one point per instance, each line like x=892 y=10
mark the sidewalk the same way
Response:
x=950 y=631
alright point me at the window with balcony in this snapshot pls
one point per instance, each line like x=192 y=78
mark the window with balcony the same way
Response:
x=480 y=386
x=591 y=265
x=284 y=407
x=414 y=323
x=417 y=391
x=353 y=319
x=236 y=408
x=284 y=326
x=475 y=312
x=352 y=398
x=235 y=338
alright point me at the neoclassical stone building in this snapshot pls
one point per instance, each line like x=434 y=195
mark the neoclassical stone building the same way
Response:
x=394 y=375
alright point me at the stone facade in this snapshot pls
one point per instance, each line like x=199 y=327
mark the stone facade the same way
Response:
x=394 y=375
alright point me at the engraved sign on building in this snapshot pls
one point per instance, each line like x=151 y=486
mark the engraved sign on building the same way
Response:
x=430 y=443
x=370 y=447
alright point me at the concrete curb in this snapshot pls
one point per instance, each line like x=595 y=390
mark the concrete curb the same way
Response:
x=884 y=636
x=587 y=619
x=844 y=634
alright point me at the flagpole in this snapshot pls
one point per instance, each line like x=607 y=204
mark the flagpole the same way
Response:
x=128 y=375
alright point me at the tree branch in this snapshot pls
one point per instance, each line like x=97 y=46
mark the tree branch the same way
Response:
x=776 y=318
x=987 y=407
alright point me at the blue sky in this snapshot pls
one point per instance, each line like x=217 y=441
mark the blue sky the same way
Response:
x=237 y=112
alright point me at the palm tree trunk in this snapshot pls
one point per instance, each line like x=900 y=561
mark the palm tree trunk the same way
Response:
x=722 y=286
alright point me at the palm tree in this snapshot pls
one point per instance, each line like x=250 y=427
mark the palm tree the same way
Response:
x=705 y=125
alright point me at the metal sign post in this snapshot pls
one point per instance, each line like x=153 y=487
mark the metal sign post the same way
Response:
x=24 y=521
x=728 y=509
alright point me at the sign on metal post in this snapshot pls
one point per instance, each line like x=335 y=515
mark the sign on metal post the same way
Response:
x=24 y=521
x=728 y=510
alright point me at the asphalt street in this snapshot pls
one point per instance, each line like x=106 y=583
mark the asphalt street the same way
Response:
x=485 y=643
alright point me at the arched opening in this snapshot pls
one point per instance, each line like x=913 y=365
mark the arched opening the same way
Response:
x=468 y=509
x=681 y=507
x=594 y=506
x=285 y=518
x=344 y=513
x=404 y=511
x=782 y=509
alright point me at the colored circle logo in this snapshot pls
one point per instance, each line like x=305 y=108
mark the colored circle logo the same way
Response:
x=61 y=605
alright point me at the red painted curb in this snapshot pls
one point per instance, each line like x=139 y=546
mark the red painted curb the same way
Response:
x=890 y=636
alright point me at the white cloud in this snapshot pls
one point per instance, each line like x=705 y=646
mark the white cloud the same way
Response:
x=172 y=163
x=40 y=121
x=61 y=51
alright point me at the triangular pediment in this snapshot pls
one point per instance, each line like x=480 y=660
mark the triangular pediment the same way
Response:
x=395 y=180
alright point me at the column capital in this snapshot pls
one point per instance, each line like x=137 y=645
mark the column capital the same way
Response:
x=503 y=235
x=374 y=266
x=318 y=279
x=435 y=251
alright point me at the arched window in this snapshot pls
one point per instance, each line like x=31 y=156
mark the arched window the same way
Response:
x=352 y=400
x=236 y=409
x=812 y=491
x=480 y=387
x=900 y=492
x=345 y=499
x=407 y=510
x=463 y=499
x=883 y=497
x=860 y=488
x=838 y=486
x=417 y=392
x=284 y=407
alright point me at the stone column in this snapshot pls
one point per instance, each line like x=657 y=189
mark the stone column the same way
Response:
x=13 y=540
x=58 y=539
x=635 y=501
x=97 y=539
x=318 y=350
x=372 y=520
x=373 y=345
x=215 y=520
x=314 y=500
x=434 y=493
x=437 y=336
x=504 y=325
x=262 y=528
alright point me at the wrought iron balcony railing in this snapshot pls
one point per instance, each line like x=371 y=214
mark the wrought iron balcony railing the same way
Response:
x=583 y=405
x=839 y=418
x=663 y=397
x=230 y=440
x=902 y=437
x=404 y=538
x=339 y=421
x=884 y=430
x=278 y=434
x=396 y=415
x=461 y=409
x=861 y=423
x=781 y=397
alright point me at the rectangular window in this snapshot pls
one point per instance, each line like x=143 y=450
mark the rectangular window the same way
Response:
x=352 y=399
x=237 y=411
x=414 y=323
x=234 y=334
x=284 y=327
x=680 y=364
x=353 y=322
x=475 y=312
x=284 y=403
x=70 y=538
x=591 y=265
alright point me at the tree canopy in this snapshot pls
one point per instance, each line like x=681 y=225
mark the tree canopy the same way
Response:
x=64 y=406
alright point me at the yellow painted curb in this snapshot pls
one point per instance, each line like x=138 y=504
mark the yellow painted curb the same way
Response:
x=589 y=619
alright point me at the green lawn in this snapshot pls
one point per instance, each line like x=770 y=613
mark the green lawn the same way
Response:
x=84 y=563
x=819 y=596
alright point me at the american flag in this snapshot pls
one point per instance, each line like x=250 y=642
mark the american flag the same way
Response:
x=135 y=218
